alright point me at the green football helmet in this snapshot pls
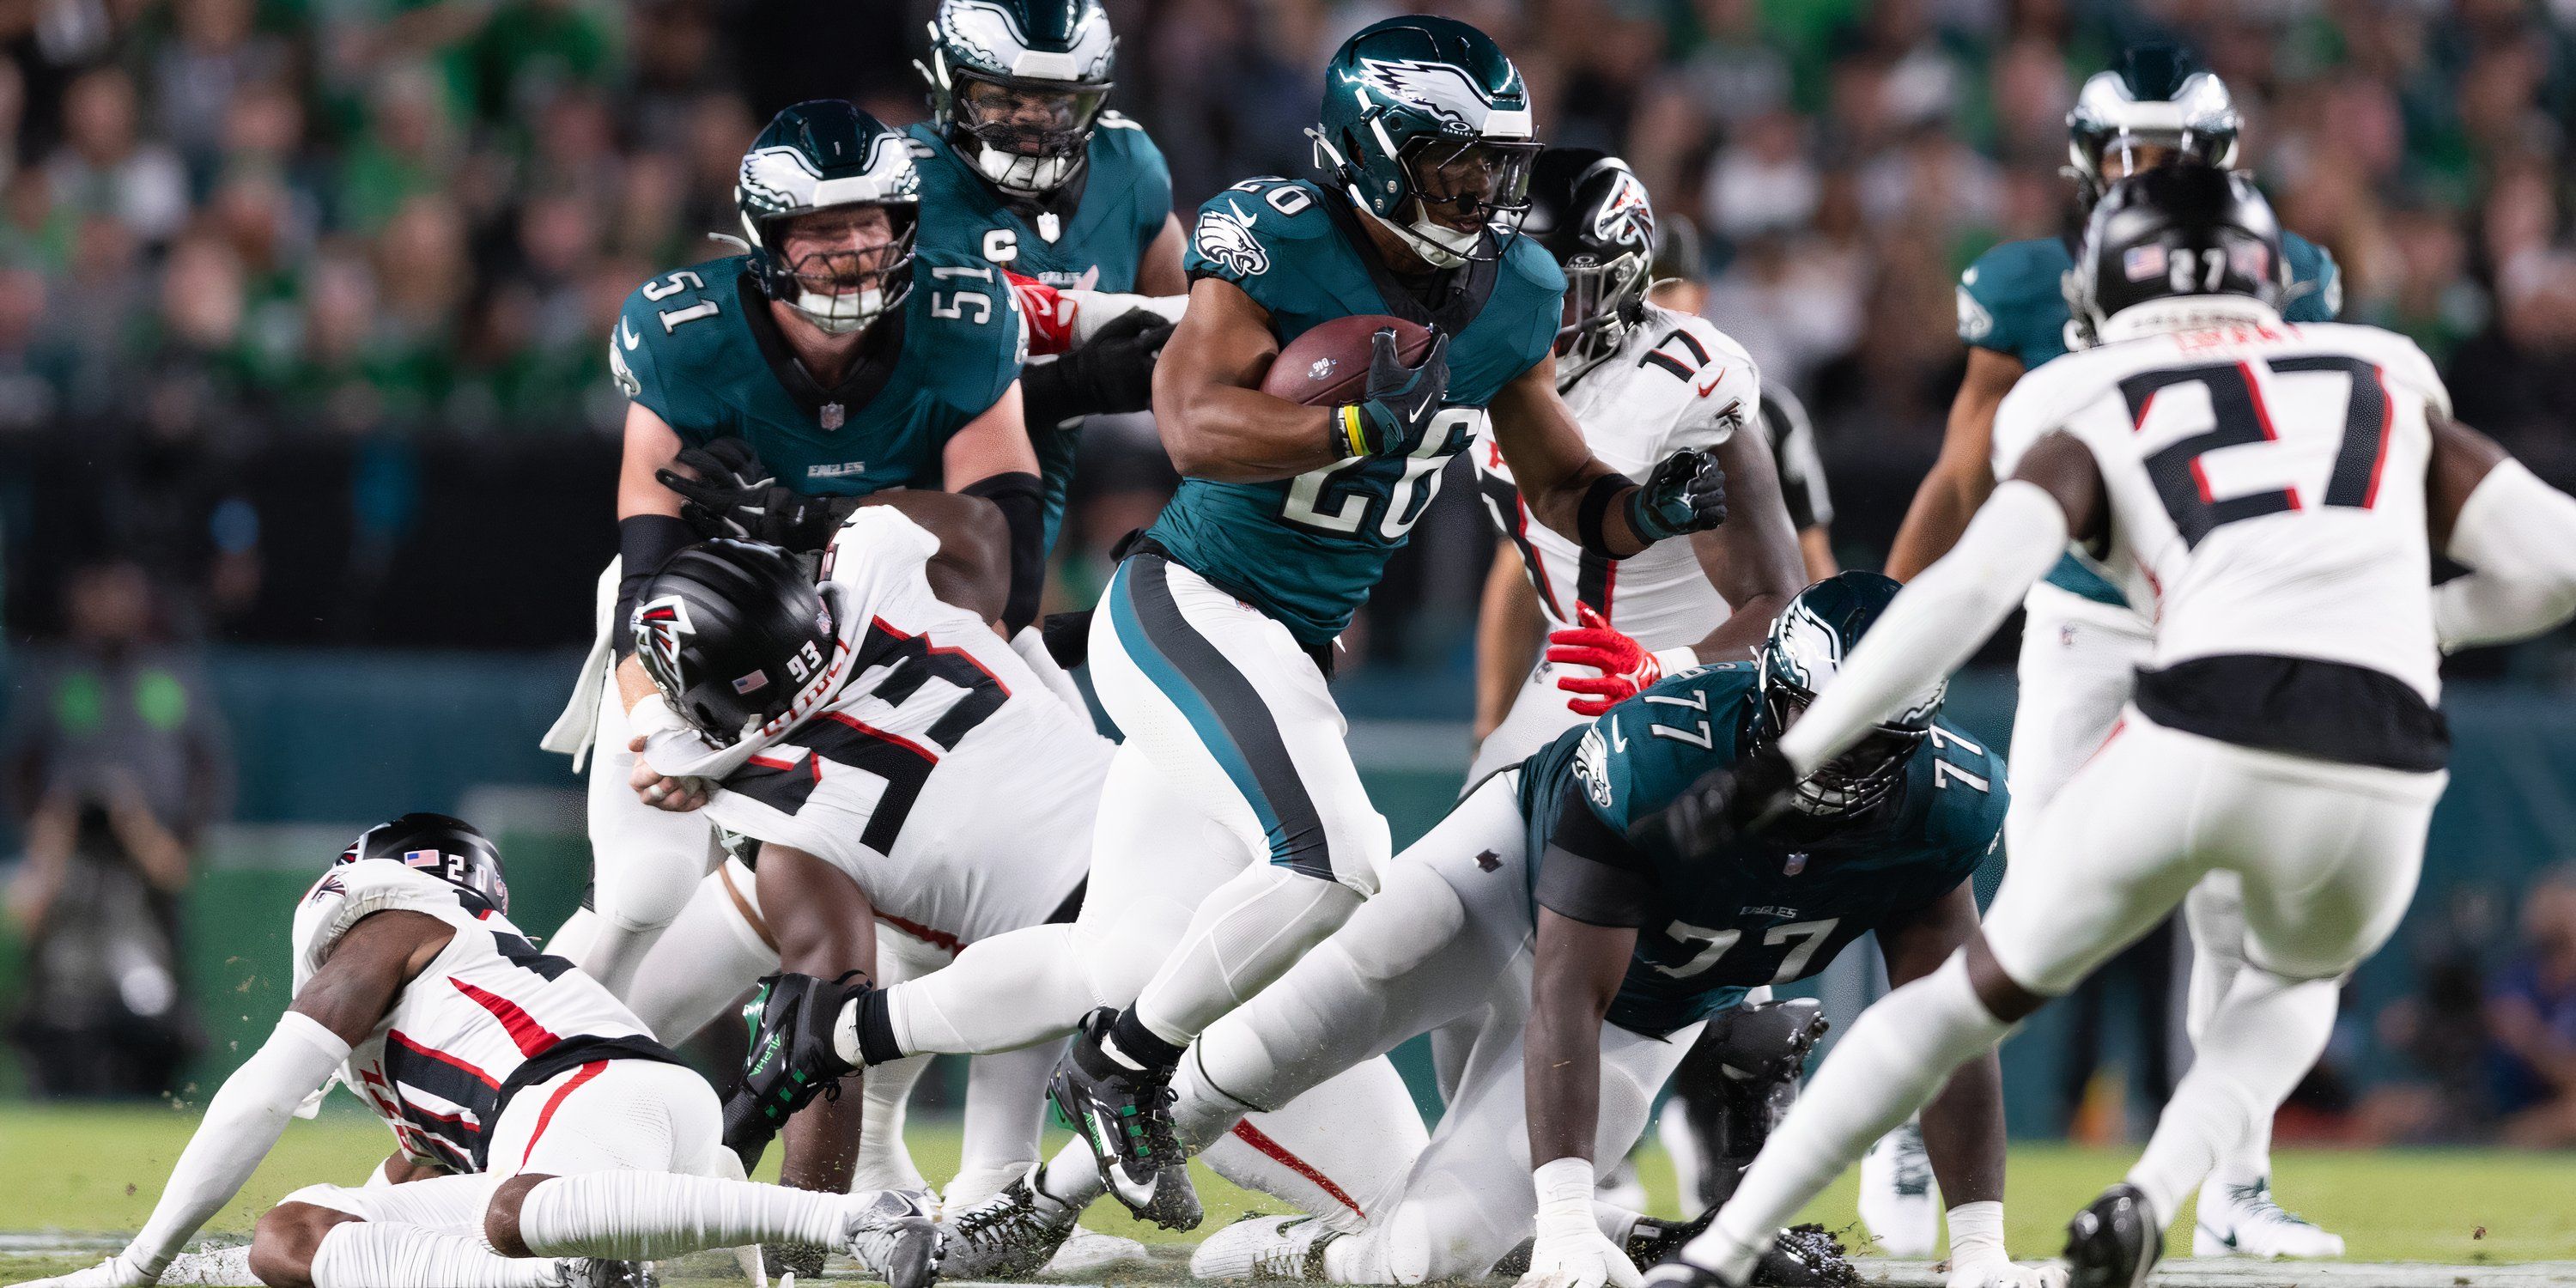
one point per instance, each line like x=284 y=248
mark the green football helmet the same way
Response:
x=1016 y=87
x=2155 y=98
x=1426 y=126
x=1808 y=644
x=827 y=155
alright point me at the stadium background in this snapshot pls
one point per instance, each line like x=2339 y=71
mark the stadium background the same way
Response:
x=302 y=306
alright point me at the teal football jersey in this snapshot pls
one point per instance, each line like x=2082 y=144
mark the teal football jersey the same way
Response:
x=1307 y=550
x=1767 y=909
x=1124 y=203
x=699 y=348
x=2013 y=301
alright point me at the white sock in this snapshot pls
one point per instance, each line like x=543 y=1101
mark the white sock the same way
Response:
x=1897 y=1056
x=2262 y=1039
x=1001 y=994
x=1005 y=1115
x=1072 y=1177
x=2250 y=1162
x=379 y=1254
x=1616 y=1222
x=1245 y=935
x=705 y=960
x=643 y=1215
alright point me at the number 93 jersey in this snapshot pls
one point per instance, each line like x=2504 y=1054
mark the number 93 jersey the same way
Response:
x=1307 y=550
x=1766 y=909
x=700 y=349
x=923 y=758
x=2266 y=486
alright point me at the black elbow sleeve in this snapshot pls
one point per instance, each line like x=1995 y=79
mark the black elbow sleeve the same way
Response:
x=1023 y=504
x=644 y=543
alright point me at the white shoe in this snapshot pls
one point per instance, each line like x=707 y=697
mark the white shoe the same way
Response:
x=890 y=1234
x=2243 y=1221
x=1089 y=1252
x=1900 y=1201
x=1275 y=1248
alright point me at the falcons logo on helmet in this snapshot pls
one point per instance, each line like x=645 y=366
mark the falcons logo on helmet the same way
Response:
x=1625 y=214
x=662 y=628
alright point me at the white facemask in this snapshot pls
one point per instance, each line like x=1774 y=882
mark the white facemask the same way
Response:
x=1023 y=175
x=840 y=314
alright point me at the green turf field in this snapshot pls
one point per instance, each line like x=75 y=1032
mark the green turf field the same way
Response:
x=98 y=1170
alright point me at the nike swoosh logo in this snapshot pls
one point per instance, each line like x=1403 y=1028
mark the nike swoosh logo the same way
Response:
x=1703 y=389
x=626 y=333
x=1618 y=740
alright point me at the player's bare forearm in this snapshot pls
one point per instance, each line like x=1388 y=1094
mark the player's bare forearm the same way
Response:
x=1963 y=1127
x=1963 y=475
x=1215 y=421
x=368 y=966
x=1577 y=973
x=1817 y=544
x=1544 y=445
x=1508 y=627
x=1753 y=558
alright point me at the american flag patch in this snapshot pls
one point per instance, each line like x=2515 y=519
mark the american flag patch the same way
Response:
x=753 y=682
x=2143 y=262
x=420 y=858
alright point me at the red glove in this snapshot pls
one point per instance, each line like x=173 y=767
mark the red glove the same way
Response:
x=1626 y=667
x=1048 y=315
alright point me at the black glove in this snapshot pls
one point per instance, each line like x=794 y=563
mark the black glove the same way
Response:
x=1685 y=493
x=1067 y=637
x=1724 y=804
x=1111 y=372
x=1401 y=400
x=733 y=495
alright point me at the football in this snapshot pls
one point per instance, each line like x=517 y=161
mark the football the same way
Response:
x=1329 y=364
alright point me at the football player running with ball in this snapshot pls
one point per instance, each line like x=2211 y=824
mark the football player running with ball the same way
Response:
x=1212 y=643
x=549 y=1129
x=2276 y=492
x=2083 y=639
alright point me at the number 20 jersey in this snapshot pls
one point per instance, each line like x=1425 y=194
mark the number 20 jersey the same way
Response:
x=925 y=760
x=1307 y=550
x=2266 y=486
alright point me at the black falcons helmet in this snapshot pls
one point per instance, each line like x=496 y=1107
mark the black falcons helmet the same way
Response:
x=439 y=846
x=2172 y=232
x=1592 y=214
x=730 y=631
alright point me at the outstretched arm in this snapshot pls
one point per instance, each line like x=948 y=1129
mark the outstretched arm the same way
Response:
x=1577 y=493
x=1937 y=621
x=2516 y=534
x=1964 y=475
x=1508 y=628
x=336 y=1009
x=1754 y=559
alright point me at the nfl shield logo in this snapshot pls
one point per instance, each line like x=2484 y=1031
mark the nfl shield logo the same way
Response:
x=832 y=415
x=1797 y=863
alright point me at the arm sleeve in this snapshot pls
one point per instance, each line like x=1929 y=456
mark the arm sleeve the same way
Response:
x=2518 y=536
x=644 y=543
x=1936 y=622
x=1590 y=872
x=242 y=1124
x=1793 y=451
x=1022 y=500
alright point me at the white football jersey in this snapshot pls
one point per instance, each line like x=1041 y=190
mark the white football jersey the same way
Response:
x=490 y=1002
x=937 y=769
x=1675 y=381
x=2266 y=485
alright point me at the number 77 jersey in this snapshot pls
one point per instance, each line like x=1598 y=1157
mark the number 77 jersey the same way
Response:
x=1307 y=550
x=2266 y=486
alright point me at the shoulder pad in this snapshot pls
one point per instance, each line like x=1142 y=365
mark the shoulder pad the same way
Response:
x=1237 y=230
x=654 y=341
x=2039 y=402
x=1712 y=383
x=1530 y=261
x=2403 y=361
x=1116 y=120
x=965 y=307
x=2316 y=284
x=2003 y=283
x=350 y=891
x=876 y=537
x=1969 y=818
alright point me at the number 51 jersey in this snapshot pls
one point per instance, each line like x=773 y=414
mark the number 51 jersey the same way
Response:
x=2266 y=485
x=925 y=759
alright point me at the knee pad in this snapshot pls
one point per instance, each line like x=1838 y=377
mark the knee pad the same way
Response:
x=1409 y=922
x=1739 y=1081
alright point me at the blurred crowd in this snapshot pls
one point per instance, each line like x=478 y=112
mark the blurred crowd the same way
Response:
x=231 y=219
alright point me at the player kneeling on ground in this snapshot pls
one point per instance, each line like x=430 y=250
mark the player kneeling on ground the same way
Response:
x=567 y=1140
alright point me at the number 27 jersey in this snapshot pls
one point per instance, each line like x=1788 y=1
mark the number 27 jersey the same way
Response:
x=2266 y=486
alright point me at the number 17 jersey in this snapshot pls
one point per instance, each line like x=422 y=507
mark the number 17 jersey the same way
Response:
x=2266 y=487
x=1307 y=550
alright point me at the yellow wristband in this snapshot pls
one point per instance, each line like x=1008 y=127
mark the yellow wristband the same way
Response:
x=1353 y=430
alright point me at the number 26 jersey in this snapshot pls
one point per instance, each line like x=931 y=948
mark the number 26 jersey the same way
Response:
x=2266 y=487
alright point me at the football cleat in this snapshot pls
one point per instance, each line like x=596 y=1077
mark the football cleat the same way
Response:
x=1013 y=1232
x=2115 y=1242
x=791 y=1059
x=2243 y=1221
x=595 y=1272
x=890 y=1234
x=1089 y=1252
x=1900 y=1201
x=1124 y=1112
x=1274 y=1249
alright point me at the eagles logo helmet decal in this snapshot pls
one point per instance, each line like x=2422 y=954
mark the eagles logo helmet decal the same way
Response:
x=1808 y=645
